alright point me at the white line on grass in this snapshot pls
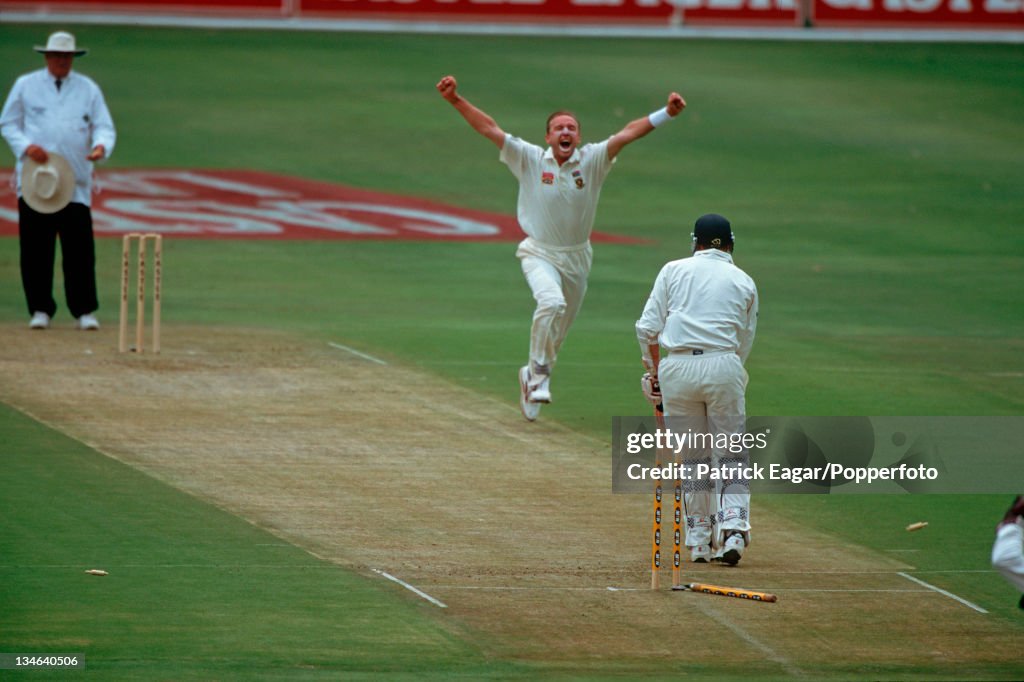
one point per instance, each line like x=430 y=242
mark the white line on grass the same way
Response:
x=705 y=607
x=411 y=588
x=533 y=588
x=355 y=352
x=766 y=571
x=944 y=592
x=330 y=563
x=551 y=588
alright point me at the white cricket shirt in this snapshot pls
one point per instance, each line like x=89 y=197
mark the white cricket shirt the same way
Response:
x=557 y=204
x=1008 y=553
x=703 y=302
x=70 y=122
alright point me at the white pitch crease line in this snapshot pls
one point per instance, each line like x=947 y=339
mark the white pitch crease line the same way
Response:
x=783 y=590
x=551 y=588
x=760 y=572
x=533 y=588
x=944 y=592
x=353 y=351
x=412 y=588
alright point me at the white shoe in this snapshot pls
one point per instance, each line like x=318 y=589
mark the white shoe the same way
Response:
x=530 y=409
x=700 y=554
x=542 y=394
x=88 y=322
x=732 y=550
x=39 y=320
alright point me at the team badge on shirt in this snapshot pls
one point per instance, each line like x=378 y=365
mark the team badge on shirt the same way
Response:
x=547 y=178
x=578 y=177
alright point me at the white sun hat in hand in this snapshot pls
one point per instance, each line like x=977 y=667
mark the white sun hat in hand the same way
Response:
x=47 y=187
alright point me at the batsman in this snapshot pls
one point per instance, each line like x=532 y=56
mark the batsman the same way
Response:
x=703 y=312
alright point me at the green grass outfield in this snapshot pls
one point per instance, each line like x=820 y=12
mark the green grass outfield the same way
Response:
x=876 y=192
x=197 y=592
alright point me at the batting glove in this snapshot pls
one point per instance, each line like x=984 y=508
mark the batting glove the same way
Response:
x=651 y=389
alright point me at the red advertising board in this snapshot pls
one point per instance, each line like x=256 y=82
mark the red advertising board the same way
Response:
x=825 y=13
x=624 y=12
x=721 y=12
x=920 y=13
x=261 y=7
x=628 y=11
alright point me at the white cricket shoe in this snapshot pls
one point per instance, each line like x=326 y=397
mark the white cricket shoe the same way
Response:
x=88 y=322
x=531 y=410
x=700 y=554
x=731 y=551
x=40 y=320
x=542 y=394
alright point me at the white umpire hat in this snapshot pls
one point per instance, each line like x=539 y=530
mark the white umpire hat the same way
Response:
x=47 y=187
x=62 y=42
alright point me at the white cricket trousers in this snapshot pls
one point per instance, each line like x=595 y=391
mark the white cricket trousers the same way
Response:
x=558 y=279
x=709 y=391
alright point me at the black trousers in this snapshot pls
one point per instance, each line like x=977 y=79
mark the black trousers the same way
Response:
x=38 y=234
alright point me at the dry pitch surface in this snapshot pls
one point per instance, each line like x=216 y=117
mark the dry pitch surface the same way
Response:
x=512 y=525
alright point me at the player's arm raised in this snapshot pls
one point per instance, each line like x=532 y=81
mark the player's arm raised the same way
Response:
x=479 y=120
x=634 y=130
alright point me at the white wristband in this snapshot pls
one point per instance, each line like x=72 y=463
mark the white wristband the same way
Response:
x=659 y=117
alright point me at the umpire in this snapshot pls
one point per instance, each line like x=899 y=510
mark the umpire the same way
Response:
x=703 y=311
x=57 y=124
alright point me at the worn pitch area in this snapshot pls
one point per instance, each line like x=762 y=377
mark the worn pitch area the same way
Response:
x=511 y=524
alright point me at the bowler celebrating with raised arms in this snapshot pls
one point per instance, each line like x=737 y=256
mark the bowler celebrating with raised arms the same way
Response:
x=558 y=192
